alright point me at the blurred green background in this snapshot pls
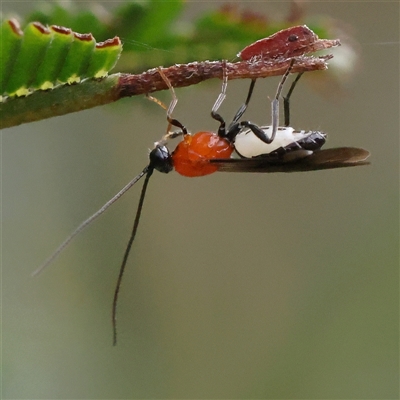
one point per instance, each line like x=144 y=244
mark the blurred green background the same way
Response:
x=239 y=285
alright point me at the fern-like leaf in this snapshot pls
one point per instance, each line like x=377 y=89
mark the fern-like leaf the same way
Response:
x=41 y=57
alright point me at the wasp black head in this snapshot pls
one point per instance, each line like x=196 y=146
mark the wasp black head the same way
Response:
x=161 y=160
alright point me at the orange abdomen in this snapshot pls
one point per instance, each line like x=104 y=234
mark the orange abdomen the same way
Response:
x=191 y=156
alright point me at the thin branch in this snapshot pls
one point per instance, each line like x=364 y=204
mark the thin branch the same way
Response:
x=91 y=93
x=181 y=75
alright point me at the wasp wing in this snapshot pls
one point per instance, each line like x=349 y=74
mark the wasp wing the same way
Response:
x=322 y=159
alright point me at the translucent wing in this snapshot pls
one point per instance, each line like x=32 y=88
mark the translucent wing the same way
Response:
x=322 y=159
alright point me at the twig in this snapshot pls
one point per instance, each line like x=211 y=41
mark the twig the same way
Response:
x=91 y=93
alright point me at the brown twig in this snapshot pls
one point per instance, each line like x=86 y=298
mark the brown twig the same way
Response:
x=91 y=93
x=181 y=75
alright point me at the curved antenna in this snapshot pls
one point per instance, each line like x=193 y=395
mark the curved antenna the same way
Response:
x=87 y=222
x=150 y=170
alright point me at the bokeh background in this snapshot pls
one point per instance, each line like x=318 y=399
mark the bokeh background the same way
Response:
x=239 y=285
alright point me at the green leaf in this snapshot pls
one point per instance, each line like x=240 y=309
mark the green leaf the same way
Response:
x=32 y=47
x=43 y=57
x=11 y=39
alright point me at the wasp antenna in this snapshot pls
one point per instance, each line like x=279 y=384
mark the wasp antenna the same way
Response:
x=87 y=222
x=127 y=251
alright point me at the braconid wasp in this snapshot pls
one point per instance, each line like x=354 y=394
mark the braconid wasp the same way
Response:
x=241 y=147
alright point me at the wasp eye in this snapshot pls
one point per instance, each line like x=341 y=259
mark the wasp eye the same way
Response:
x=161 y=160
